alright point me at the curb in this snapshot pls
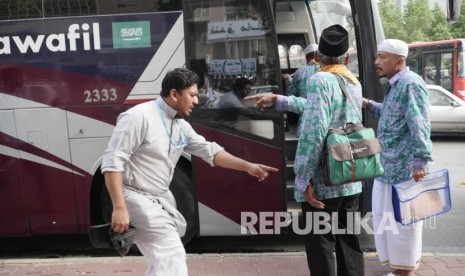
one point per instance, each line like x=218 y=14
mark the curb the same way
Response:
x=75 y=260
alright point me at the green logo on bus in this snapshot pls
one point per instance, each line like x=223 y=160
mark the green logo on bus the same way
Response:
x=135 y=34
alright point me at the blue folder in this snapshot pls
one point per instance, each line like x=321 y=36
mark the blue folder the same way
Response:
x=415 y=201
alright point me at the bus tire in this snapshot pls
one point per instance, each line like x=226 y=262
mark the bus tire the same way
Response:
x=183 y=191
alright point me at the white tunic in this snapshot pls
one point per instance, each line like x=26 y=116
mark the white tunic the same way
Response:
x=148 y=141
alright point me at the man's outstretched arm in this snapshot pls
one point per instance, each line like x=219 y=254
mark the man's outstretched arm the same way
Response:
x=229 y=161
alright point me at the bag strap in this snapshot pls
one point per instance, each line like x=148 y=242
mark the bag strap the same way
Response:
x=344 y=90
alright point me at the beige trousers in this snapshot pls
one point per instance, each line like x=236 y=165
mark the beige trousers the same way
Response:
x=156 y=236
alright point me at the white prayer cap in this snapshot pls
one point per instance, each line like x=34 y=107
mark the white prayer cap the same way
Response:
x=310 y=49
x=394 y=46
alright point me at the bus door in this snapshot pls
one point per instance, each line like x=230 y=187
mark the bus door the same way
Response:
x=300 y=23
x=226 y=41
x=294 y=30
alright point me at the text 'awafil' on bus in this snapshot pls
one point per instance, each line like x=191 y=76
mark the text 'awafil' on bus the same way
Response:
x=60 y=42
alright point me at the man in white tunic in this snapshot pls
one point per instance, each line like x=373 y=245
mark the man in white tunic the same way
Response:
x=139 y=163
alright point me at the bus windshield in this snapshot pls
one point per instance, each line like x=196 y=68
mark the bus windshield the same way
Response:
x=323 y=13
x=327 y=13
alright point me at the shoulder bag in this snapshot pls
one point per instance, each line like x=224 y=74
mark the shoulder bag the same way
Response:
x=351 y=153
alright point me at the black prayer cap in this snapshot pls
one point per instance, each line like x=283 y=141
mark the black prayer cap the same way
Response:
x=334 y=41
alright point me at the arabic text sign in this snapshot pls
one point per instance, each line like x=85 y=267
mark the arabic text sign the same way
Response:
x=236 y=29
x=249 y=65
x=232 y=67
x=216 y=66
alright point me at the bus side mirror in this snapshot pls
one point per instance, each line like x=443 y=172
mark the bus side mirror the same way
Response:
x=453 y=10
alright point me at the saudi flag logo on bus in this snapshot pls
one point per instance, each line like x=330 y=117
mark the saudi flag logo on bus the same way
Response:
x=134 y=34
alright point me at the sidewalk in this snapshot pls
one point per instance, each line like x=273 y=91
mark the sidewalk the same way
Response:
x=287 y=264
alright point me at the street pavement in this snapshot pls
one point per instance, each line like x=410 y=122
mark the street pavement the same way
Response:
x=239 y=264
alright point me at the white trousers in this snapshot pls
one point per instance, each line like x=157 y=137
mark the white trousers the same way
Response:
x=397 y=245
x=156 y=236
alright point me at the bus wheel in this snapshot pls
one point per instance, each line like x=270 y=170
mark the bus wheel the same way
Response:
x=183 y=190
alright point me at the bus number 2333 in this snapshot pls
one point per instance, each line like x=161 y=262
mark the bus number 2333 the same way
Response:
x=103 y=95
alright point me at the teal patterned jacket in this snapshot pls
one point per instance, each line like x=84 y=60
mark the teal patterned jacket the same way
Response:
x=404 y=127
x=296 y=86
x=325 y=107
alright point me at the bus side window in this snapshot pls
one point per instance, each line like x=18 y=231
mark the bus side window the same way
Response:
x=412 y=61
x=446 y=71
x=430 y=69
x=43 y=9
x=293 y=56
x=282 y=50
x=296 y=56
